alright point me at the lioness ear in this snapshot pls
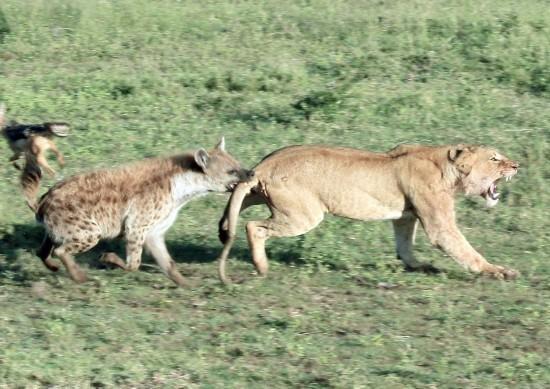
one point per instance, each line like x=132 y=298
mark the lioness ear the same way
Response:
x=465 y=164
x=202 y=158
x=221 y=144
x=455 y=152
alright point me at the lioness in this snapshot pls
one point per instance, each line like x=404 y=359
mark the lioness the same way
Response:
x=139 y=201
x=409 y=183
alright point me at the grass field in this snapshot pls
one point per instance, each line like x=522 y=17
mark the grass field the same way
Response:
x=143 y=78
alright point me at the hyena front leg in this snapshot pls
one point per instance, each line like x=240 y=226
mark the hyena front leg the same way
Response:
x=134 y=249
x=157 y=247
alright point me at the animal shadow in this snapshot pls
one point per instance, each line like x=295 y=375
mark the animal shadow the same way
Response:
x=23 y=237
x=28 y=238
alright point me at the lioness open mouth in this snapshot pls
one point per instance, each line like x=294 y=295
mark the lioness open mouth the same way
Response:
x=492 y=191
x=492 y=196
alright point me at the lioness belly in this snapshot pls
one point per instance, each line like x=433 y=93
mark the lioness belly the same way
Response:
x=365 y=208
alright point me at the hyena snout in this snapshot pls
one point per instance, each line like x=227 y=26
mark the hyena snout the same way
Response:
x=238 y=176
x=246 y=175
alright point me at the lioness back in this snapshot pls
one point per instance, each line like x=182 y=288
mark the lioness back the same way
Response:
x=345 y=181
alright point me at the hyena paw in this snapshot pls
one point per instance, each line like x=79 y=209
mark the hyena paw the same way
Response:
x=112 y=259
x=78 y=276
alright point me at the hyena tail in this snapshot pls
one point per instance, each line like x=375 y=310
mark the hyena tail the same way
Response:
x=30 y=181
x=44 y=252
x=228 y=223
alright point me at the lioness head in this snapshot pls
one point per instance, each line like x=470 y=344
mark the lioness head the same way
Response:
x=481 y=168
x=222 y=171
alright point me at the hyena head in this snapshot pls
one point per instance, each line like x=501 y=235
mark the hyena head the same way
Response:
x=221 y=170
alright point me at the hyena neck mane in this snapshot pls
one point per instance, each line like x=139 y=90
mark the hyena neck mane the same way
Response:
x=186 y=179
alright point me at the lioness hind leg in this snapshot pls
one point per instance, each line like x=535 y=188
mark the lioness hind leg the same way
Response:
x=405 y=232
x=281 y=224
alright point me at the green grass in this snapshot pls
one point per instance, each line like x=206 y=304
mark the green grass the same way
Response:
x=143 y=78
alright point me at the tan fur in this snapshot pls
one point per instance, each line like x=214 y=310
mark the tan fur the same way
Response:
x=410 y=183
x=138 y=201
x=33 y=146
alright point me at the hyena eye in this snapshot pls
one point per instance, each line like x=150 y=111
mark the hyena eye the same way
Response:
x=232 y=172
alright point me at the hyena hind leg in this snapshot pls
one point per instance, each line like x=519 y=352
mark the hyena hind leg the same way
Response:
x=65 y=253
x=44 y=252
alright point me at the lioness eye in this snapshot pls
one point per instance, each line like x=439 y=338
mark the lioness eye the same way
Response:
x=495 y=159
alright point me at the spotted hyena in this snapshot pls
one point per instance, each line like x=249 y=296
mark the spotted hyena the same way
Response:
x=139 y=201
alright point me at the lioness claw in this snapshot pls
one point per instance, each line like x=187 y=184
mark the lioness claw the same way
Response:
x=502 y=273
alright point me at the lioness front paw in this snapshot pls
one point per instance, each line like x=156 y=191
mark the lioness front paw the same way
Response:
x=502 y=273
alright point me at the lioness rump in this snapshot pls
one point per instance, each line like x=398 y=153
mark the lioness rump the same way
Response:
x=410 y=183
x=139 y=201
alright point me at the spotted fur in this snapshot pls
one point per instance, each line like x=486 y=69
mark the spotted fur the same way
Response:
x=139 y=201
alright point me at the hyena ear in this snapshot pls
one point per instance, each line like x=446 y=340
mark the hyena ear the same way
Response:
x=221 y=144
x=202 y=158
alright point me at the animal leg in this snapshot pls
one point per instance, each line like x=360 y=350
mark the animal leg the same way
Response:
x=157 y=247
x=113 y=259
x=134 y=249
x=442 y=231
x=58 y=155
x=69 y=248
x=135 y=237
x=38 y=147
x=14 y=159
x=405 y=233
x=290 y=217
